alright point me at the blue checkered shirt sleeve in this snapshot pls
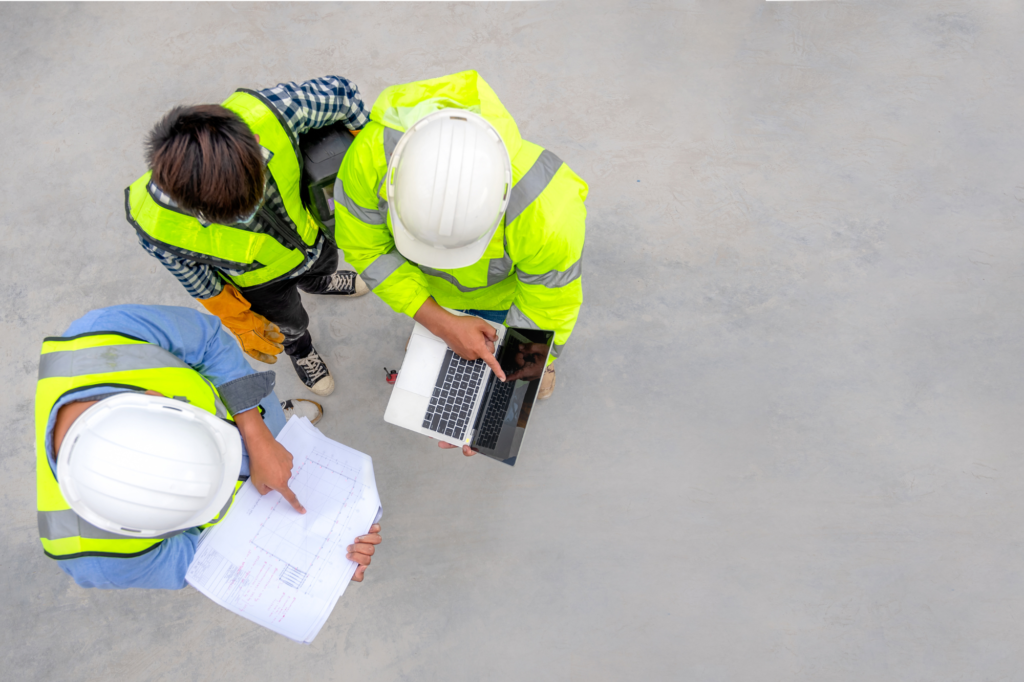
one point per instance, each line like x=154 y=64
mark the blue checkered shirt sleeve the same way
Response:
x=318 y=102
x=200 y=280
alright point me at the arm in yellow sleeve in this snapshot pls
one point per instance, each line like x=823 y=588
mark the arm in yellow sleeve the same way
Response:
x=361 y=231
x=546 y=244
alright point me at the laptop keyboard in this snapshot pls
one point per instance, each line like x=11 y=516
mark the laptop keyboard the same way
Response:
x=454 y=391
x=497 y=406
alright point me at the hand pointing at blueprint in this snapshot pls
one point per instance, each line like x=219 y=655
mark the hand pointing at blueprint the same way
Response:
x=286 y=570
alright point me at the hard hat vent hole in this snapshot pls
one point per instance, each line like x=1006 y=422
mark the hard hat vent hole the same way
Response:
x=131 y=530
x=457 y=118
x=168 y=407
x=503 y=196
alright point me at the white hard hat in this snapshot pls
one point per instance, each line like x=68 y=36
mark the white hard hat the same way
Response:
x=448 y=188
x=144 y=466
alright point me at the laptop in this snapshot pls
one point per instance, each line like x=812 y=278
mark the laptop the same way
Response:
x=462 y=402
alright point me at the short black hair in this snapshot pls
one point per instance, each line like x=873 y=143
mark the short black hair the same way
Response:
x=208 y=160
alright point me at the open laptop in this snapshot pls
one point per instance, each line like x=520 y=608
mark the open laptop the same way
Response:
x=462 y=402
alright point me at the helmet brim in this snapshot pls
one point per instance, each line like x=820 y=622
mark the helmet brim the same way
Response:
x=433 y=257
x=229 y=447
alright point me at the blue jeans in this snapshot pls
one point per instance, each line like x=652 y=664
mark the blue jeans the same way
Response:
x=495 y=316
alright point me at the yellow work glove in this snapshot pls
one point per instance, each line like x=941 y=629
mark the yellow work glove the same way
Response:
x=259 y=337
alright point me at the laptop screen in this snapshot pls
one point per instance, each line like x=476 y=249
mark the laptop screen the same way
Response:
x=501 y=423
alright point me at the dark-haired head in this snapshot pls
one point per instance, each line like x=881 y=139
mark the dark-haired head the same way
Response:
x=208 y=160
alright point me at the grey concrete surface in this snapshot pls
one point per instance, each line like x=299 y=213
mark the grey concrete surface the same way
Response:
x=786 y=441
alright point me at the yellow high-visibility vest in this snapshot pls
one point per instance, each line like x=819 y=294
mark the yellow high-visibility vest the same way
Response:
x=70 y=364
x=259 y=256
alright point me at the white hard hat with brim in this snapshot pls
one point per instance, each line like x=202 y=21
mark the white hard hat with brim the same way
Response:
x=448 y=186
x=147 y=466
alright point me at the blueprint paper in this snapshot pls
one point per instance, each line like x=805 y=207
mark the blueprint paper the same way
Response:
x=285 y=570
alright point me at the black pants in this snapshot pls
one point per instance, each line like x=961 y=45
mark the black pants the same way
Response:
x=279 y=301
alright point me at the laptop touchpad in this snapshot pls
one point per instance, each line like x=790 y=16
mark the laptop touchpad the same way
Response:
x=421 y=365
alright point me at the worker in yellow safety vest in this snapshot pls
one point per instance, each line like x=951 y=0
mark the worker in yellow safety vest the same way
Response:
x=224 y=209
x=148 y=420
x=441 y=204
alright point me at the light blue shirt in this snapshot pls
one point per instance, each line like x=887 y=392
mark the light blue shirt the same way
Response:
x=201 y=342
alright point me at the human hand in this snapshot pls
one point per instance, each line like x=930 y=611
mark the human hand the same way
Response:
x=270 y=467
x=264 y=341
x=361 y=551
x=258 y=337
x=472 y=338
x=466 y=450
x=469 y=336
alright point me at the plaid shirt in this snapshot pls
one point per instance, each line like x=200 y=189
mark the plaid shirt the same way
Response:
x=313 y=104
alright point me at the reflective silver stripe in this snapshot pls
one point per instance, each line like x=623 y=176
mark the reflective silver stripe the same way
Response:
x=119 y=358
x=220 y=515
x=65 y=523
x=382 y=206
x=370 y=216
x=498 y=269
x=553 y=279
x=532 y=184
x=219 y=410
x=104 y=359
x=449 y=278
x=380 y=269
x=391 y=138
x=516 y=318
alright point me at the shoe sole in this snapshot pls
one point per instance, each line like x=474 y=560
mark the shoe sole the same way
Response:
x=324 y=387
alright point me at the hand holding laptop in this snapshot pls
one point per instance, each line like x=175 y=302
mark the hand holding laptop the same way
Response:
x=466 y=450
x=468 y=382
x=470 y=337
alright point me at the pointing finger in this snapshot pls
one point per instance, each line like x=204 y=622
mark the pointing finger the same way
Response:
x=287 y=494
x=493 y=364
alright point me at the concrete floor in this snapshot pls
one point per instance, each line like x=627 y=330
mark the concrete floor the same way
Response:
x=787 y=438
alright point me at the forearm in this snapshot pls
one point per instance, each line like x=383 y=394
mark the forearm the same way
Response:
x=252 y=429
x=435 y=318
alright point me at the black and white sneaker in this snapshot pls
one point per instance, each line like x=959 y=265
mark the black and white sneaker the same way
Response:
x=313 y=372
x=300 y=407
x=341 y=283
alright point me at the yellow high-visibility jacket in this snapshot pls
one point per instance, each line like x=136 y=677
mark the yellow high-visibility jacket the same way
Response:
x=533 y=263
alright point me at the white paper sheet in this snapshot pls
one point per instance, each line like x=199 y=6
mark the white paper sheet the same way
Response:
x=282 y=569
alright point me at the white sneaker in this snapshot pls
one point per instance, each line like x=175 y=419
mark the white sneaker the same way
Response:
x=300 y=407
x=313 y=372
